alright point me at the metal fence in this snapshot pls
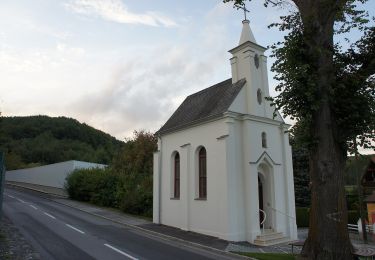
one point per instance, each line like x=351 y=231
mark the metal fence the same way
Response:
x=354 y=228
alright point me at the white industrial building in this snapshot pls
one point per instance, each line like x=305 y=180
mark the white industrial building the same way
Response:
x=50 y=177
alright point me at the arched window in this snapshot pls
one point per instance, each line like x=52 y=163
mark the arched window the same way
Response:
x=259 y=96
x=202 y=173
x=264 y=140
x=176 y=192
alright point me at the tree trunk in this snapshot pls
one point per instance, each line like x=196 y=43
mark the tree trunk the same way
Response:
x=328 y=236
x=328 y=232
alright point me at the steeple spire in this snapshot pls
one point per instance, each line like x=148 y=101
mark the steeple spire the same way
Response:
x=248 y=62
x=247 y=34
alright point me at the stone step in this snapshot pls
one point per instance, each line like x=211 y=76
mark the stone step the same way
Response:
x=271 y=242
x=271 y=235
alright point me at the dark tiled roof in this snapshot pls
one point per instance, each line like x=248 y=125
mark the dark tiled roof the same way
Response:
x=204 y=105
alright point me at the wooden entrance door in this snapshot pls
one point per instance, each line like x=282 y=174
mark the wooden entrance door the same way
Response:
x=260 y=195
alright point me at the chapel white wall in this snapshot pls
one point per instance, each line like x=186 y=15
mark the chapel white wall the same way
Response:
x=281 y=188
x=204 y=216
x=231 y=209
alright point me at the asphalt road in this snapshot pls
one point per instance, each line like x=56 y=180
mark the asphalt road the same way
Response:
x=60 y=232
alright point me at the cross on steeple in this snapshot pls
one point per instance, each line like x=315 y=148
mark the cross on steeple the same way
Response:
x=243 y=7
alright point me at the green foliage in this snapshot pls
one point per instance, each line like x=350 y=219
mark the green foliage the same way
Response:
x=136 y=156
x=351 y=87
x=351 y=97
x=126 y=184
x=135 y=194
x=95 y=185
x=353 y=216
x=302 y=215
x=39 y=140
x=352 y=197
x=356 y=168
x=301 y=174
x=134 y=165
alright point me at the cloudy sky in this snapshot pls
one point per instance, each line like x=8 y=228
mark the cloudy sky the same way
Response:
x=118 y=65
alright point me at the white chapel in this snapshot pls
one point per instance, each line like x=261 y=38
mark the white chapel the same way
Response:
x=224 y=164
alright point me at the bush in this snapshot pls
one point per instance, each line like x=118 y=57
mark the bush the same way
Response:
x=76 y=185
x=94 y=185
x=135 y=194
x=353 y=216
x=105 y=190
x=302 y=215
x=134 y=165
x=132 y=193
x=126 y=184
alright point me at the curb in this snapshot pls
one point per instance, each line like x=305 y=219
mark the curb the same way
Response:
x=150 y=232
x=36 y=190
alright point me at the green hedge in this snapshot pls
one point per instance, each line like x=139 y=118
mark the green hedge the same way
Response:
x=95 y=185
x=103 y=187
x=126 y=184
x=302 y=215
x=353 y=216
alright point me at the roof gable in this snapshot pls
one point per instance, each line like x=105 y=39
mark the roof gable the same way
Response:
x=204 y=105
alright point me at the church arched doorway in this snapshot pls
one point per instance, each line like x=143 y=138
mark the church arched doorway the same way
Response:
x=261 y=207
x=266 y=200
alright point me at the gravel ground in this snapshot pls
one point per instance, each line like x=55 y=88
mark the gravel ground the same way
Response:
x=13 y=246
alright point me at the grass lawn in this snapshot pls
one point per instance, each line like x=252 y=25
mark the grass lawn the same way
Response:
x=268 y=256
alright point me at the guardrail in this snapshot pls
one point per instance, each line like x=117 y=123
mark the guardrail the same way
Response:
x=282 y=213
x=354 y=227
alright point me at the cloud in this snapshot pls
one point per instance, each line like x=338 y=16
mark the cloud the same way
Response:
x=120 y=90
x=116 y=11
x=146 y=87
x=13 y=60
x=141 y=94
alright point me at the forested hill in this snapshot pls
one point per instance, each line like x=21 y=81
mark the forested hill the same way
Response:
x=39 y=140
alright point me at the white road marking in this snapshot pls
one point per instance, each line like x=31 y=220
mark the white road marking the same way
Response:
x=45 y=213
x=261 y=250
x=11 y=196
x=121 y=252
x=21 y=201
x=33 y=206
x=76 y=229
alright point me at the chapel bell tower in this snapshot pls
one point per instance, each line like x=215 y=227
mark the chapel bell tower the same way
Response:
x=249 y=62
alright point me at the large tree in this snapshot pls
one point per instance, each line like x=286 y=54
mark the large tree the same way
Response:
x=329 y=90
